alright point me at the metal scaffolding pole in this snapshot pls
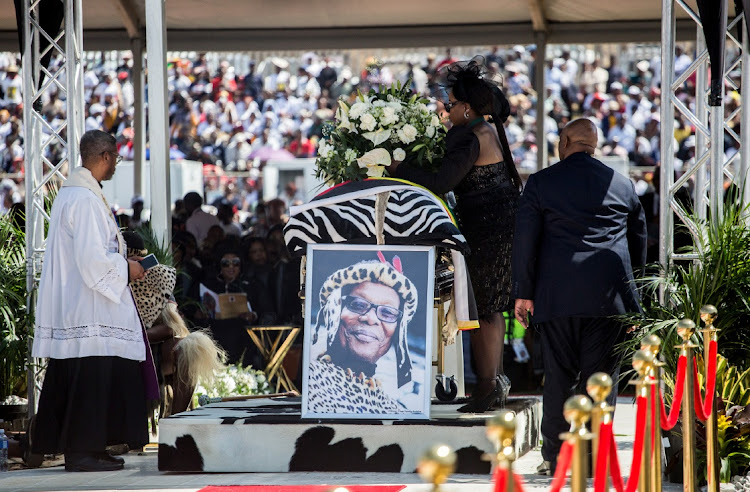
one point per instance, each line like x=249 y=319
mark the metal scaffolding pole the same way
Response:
x=744 y=119
x=158 y=127
x=666 y=226
x=701 y=112
x=41 y=173
x=540 y=37
x=139 y=116
x=707 y=117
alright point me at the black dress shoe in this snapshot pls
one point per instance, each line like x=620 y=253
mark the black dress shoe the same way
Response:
x=89 y=462
x=108 y=457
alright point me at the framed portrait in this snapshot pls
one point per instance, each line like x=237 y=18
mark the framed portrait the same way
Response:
x=368 y=331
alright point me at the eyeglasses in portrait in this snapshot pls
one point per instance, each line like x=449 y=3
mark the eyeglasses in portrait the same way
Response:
x=368 y=331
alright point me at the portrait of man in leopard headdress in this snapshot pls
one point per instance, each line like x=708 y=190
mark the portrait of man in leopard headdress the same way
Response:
x=360 y=361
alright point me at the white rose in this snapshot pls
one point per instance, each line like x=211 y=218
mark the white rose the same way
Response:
x=389 y=116
x=435 y=121
x=368 y=122
x=396 y=105
x=407 y=134
x=324 y=149
x=379 y=103
x=430 y=131
x=422 y=108
x=378 y=137
x=357 y=110
x=374 y=161
x=399 y=154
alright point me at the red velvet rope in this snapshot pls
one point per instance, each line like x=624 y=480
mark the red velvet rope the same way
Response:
x=668 y=422
x=703 y=408
x=602 y=457
x=635 y=467
x=563 y=465
x=501 y=478
x=518 y=483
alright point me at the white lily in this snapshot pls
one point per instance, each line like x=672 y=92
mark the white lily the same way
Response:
x=378 y=136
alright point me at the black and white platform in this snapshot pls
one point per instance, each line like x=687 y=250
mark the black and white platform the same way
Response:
x=269 y=436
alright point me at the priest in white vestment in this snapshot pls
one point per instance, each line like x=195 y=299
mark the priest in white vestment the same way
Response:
x=95 y=387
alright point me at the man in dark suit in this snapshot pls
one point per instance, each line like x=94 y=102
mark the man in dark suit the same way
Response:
x=580 y=232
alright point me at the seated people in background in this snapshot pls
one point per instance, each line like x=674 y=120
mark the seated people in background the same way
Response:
x=230 y=332
x=285 y=278
x=198 y=222
x=258 y=276
x=361 y=328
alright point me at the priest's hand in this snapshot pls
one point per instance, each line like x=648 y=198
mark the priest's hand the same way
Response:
x=135 y=270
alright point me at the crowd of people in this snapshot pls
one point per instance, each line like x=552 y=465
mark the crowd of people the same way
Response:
x=228 y=115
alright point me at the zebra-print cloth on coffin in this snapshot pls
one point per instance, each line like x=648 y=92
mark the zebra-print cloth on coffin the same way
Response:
x=346 y=214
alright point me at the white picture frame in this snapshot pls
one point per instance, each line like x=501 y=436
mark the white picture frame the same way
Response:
x=378 y=383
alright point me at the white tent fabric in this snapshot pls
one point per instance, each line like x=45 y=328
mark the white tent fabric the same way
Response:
x=325 y=24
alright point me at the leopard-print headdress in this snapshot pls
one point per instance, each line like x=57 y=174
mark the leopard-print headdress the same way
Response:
x=329 y=316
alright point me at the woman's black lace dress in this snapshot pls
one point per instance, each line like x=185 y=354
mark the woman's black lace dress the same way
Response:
x=487 y=204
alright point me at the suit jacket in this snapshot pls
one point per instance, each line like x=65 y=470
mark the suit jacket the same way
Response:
x=580 y=232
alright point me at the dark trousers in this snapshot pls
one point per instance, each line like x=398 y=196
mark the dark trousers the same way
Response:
x=573 y=349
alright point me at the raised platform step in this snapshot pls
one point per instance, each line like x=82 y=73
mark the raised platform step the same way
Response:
x=268 y=435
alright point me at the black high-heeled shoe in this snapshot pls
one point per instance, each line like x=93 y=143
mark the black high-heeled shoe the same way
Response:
x=481 y=404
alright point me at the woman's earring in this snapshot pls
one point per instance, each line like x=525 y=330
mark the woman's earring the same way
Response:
x=466 y=114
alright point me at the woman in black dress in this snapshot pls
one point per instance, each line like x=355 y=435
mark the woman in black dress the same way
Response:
x=478 y=168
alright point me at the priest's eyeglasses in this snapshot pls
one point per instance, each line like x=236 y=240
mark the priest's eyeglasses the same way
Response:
x=357 y=305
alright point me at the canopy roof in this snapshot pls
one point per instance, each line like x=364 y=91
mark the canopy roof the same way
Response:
x=327 y=24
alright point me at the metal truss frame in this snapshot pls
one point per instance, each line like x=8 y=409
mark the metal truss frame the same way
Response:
x=710 y=166
x=41 y=173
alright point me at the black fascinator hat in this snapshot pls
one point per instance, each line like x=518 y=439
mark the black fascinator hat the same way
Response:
x=472 y=83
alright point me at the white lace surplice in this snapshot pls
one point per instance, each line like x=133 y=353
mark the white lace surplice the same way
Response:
x=85 y=307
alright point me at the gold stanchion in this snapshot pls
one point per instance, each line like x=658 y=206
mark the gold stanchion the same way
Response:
x=577 y=411
x=686 y=329
x=643 y=361
x=436 y=465
x=599 y=386
x=708 y=315
x=501 y=431
x=652 y=343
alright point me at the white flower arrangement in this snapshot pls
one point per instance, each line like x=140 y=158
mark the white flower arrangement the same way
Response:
x=379 y=128
x=235 y=381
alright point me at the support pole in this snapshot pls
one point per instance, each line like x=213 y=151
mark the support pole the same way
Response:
x=139 y=116
x=599 y=387
x=666 y=240
x=708 y=315
x=33 y=172
x=685 y=329
x=745 y=118
x=158 y=130
x=701 y=112
x=577 y=411
x=540 y=37
x=716 y=198
x=652 y=344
